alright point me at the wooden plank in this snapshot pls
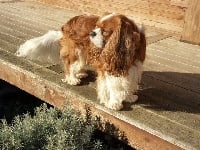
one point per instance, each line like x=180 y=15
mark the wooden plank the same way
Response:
x=181 y=3
x=191 y=31
x=163 y=118
x=164 y=14
x=168 y=11
x=160 y=1
x=45 y=84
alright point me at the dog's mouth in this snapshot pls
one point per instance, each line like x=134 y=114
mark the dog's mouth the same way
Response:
x=99 y=45
x=103 y=45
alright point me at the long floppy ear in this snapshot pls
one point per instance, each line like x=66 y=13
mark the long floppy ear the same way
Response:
x=119 y=53
x=108 y=56
x=129 y=42
x=141 y=50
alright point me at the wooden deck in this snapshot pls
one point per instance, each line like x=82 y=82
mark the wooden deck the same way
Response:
x=167 y=115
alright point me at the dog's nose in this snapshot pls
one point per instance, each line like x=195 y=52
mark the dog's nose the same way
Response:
x=93 y=34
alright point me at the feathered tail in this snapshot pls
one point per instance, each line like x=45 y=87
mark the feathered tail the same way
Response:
x=44 y=48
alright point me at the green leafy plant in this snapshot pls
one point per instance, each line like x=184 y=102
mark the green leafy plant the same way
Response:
x=48 y=129
x=27 y=126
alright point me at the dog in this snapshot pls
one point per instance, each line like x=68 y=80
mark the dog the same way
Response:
x=112 y=44
x=119 y=67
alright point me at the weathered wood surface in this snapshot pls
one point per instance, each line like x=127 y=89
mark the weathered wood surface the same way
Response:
x=164 y=14
x=167 y=114
x=191 y=30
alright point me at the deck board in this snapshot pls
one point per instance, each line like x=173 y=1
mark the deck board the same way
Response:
x=169 y=95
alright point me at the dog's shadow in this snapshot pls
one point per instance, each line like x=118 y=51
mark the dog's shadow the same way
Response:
x=91 y=78
x=164 y=91
x=107 y=131
x=127 y=106
x=168 y=91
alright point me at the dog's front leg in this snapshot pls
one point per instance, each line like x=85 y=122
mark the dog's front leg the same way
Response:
x=70 y=74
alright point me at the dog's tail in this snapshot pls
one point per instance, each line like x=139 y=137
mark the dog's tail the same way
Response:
x=45 y=48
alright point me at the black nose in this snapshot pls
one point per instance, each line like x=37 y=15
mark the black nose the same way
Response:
x=93 y=34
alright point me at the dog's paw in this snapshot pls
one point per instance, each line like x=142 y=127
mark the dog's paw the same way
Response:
x=81 y=75
x=64 y=80
x=71 y=80
x=102 y=102
x=131 y=98
x=114 y=106
x=74 y=81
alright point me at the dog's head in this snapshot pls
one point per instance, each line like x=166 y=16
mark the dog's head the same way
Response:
x=121 y=41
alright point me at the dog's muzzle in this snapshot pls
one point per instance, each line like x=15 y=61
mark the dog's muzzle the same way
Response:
x=96 y=38
x=93 y=34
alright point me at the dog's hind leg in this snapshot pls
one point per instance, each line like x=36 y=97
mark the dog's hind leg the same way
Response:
x=74 y=67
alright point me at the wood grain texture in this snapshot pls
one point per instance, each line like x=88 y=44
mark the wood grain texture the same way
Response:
x=164 y=14
x=181 y=3
x=166 y=115
x=191 y=31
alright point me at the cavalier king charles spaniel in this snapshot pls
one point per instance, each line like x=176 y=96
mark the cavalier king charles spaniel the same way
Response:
x=119 y=65
x=113 y=45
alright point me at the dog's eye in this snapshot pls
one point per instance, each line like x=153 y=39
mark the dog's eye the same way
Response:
x=105 y=33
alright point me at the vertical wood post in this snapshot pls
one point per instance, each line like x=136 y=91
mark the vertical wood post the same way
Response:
x=191 y=30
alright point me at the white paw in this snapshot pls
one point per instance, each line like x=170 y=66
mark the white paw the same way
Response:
x=81 y=75
x=74 y=81
x=102 y=102
x=114 y=106
x=103 y=98
x=71 y=80
x=64 y=80
x=131 y=98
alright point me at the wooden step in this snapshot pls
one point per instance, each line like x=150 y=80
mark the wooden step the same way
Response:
x=167 y=113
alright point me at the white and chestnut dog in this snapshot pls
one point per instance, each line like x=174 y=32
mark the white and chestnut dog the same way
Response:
x=113 y=45
x=119 y=68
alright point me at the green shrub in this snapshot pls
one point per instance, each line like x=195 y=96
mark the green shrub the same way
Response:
x=48 y=129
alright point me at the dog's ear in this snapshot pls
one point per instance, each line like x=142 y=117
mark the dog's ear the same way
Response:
x=126 y=44
x=119 y=50
x=132 y=41
x=141 y=48
x=108 y=56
